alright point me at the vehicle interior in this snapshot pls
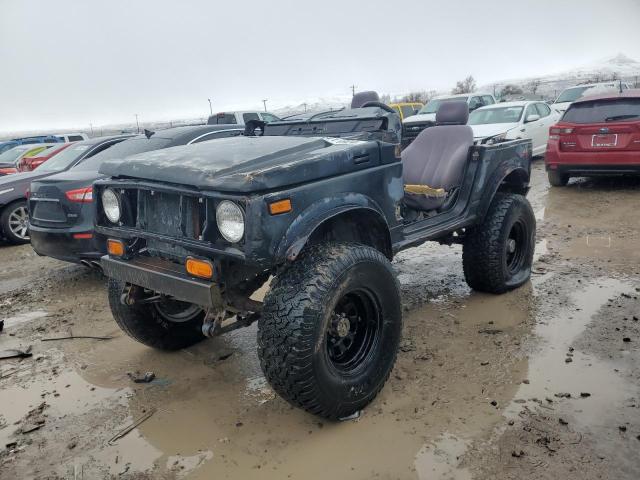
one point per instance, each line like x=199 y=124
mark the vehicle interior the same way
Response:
x=434 y=163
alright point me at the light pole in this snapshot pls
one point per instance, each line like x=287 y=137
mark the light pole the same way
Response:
x=265 y=104
x=137 y=124
x=305 y=106
x=353 y=90
x=91 y=127
x=210 y=109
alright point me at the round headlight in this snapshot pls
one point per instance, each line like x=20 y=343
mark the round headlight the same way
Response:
x=111 y=205
x=230 y=220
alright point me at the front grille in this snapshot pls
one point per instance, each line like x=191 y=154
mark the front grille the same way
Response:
x=170 y=214
x=411 y=130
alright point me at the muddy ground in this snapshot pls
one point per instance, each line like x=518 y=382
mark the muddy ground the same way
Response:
x=543 y=382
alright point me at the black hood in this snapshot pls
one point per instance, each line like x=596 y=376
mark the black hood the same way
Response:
x=245 y=164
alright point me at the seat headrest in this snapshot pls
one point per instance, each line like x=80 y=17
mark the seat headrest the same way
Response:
x=452 y=113
x=361 y=98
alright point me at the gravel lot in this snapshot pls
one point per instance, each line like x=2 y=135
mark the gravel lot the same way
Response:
x=543 y=382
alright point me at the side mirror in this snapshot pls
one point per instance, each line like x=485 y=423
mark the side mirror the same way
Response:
x=532 y=118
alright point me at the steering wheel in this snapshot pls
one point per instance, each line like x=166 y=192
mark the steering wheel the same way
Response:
x=251 y=126
x=381 y=105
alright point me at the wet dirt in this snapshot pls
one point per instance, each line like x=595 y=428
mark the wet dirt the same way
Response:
x=479 y=389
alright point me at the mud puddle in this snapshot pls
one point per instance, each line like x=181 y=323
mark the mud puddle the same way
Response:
x=559 y=369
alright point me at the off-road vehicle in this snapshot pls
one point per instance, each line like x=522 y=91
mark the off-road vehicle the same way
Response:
x=317 y=207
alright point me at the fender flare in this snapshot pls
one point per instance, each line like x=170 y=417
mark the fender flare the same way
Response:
x=303 y=226
x=497 y=181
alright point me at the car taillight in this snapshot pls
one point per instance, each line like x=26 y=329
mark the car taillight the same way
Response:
x=555 y=132
x=8 y=171
x=80 y=195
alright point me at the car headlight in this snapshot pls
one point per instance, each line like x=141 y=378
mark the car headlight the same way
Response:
x=230 y=220
x=495 y=139
x=111 y=205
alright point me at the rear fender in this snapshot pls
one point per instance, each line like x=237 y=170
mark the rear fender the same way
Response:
x=511 y=176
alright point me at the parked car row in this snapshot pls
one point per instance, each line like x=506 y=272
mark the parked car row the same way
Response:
x=56 y=138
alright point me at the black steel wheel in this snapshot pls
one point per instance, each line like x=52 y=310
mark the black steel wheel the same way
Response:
x=330 y=329
x=165 y=325
x=497 y=255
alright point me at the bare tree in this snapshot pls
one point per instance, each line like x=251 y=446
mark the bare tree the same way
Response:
x=533 y=85
x=467 y=85
x=385 y=98
x=510 y=90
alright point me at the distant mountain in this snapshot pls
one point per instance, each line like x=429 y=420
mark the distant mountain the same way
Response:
x=618 y=67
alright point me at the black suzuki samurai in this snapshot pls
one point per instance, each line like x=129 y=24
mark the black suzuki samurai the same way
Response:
x=318 y=207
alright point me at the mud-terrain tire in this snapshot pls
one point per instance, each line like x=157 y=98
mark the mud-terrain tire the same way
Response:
x=557 y=179
x=308 y=353
x=149 y=324
x=11 y=229
x=497 y=255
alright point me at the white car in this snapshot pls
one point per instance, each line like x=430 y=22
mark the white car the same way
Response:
x=428 y=112
x=570 y=95
x=513 y=120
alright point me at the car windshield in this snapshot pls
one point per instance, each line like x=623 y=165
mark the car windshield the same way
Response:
x=433 y=105
x=572 y=94
x=495 y=115
x=603 y=111
x=10 y=156
x=122 y=150
x=62 y=160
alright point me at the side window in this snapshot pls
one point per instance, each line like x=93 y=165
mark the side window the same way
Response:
x=216 y=135
x=75 y=138
x=250 y=116
x=98 y=149
x=543 y=109
x=488 y=100
x=474 y=103
x=267 y=117
x=222 y=118
x=531 y=110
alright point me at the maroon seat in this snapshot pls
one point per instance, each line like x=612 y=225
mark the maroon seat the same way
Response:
x=437 y=156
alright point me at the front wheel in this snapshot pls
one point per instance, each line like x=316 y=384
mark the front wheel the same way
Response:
x=165 y=325
x=497 y=255
x=14 y=222
x=330 y=329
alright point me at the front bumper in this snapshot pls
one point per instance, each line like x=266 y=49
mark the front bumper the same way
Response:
x=164 y=277
x=62 y=245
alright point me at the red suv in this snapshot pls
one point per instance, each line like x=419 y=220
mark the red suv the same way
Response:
x=597 y=135
x=27 y=164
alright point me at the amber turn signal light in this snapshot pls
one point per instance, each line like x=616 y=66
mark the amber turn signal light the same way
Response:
x=199 y=268
x=115 y=247
x=281 y=206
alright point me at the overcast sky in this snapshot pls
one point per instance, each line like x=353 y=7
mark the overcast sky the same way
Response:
x=66 y=63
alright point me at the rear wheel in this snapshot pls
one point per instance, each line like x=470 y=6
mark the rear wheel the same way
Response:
x=557 y=179
x=330 y=329
x=165 y=325
x=497 y=255
x=14 y=222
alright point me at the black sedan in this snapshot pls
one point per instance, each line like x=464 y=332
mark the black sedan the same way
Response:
x=14 y=218
x=61 y=205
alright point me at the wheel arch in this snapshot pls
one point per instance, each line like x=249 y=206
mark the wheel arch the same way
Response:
x=354 y=218
x=514 y=179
